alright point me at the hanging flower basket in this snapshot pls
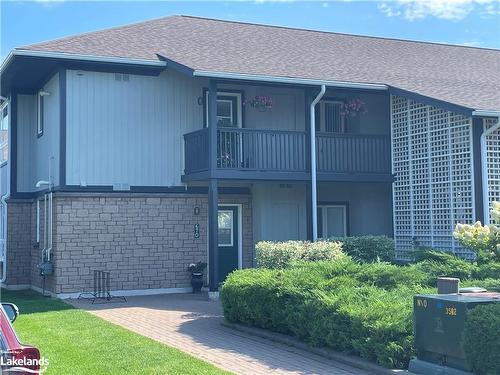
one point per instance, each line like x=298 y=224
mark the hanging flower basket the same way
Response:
x=353 y=108
x=260 y=102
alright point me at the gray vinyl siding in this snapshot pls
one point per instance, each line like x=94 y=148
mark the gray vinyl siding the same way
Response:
x=280 y=209
x=34 y=154
x=4 y=179
x=131 y=131
x=279 y=212
x=287 y=112
x=370 y=205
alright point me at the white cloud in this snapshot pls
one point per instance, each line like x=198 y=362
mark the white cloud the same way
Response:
x=472 y=43
x=453 y=10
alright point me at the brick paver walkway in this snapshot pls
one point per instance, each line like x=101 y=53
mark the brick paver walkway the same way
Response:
x=191 y=323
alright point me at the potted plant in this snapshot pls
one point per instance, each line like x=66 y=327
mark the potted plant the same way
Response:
x=260 y=102
x=196 y=270
x=353 y=108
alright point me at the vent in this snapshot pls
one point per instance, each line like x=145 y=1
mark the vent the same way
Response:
x=126 y=78
x=121 y=187
x=118 y=77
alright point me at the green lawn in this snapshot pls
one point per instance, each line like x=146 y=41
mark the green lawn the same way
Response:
x=76 y=342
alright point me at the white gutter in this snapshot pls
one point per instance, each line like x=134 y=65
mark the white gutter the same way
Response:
x=73 y=56
x=314 y=202
x=289 y=80
x=484 y=113
x=484 y=170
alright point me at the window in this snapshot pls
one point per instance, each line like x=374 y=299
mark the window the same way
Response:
x=228 y=109
x=4 y=133
x=330 y=119
x=39 y=114
x=332 y=221
x=226 y=228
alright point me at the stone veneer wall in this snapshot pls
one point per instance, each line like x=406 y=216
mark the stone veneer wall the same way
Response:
x=146 y=241
x=19 y=246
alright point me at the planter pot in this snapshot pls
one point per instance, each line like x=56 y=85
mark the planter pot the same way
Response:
x=196 y=281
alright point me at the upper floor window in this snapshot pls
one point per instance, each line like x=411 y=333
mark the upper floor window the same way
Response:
x=229 y=109
x=330 y=119
x=39 y=113
x=4 y=133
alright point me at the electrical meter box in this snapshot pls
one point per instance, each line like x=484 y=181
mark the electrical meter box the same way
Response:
x=439 y=327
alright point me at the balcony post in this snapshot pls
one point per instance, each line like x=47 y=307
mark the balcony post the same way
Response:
x=213 y=196
x=212 y=126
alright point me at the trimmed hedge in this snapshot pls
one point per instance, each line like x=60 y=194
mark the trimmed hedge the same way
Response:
x=333 y=304
x=368 y=248
x=482 y=339
x=283 y=254
x=364 y=309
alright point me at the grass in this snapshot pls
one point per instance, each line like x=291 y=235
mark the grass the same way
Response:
x=76 y=342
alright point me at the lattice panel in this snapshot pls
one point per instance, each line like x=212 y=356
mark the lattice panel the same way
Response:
x=493 y=161
x=432 y=163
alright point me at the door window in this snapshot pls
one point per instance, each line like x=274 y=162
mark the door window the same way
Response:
x=229 y=108
x=226 y=228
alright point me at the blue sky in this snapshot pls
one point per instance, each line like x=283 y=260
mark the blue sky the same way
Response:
x=466 y=22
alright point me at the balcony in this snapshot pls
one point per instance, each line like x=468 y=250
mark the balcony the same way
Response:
x=283 y=155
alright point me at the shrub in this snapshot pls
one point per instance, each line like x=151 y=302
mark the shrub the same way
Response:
x=325 y=303
x=368 y=248
x=488 y=271
x=282 y=254
x=488 y=284
x=481 y=339
x=434 y=255
x=453 y=267
x=389 y=276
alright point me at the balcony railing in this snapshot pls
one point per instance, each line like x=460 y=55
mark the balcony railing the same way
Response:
x=286 y=151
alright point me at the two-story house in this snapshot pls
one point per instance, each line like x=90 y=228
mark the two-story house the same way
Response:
x=143 y=148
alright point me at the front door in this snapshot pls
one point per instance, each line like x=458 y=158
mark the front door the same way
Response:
x=228 y=240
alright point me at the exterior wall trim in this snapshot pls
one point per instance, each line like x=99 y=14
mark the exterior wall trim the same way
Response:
x=62 y=124
x=127 y=293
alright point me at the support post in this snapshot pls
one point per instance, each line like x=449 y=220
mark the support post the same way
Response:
x=213 y=198
x=213 y=241
x=477 y=130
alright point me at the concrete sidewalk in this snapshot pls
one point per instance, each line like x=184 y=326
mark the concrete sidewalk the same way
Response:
x=192 y=324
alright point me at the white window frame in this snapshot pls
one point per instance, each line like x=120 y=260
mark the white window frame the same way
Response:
x=39 y=114
x=322 y=122
x=239 y=105
x=232 y=229
x=5 y=144
x=324 y=217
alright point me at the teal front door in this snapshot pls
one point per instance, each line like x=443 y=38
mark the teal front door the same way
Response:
x=228 y=240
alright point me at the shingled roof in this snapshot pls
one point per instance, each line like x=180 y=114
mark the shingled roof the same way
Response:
x=464 y=76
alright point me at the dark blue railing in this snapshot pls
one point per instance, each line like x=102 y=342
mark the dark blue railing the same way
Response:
x=286 y=151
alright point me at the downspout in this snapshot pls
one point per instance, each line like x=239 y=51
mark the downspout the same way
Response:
x=3 y=229
x=314 y=203
x=4 y=240
x=484 y=170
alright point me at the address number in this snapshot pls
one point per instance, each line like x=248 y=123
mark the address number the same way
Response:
x=452 y=311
